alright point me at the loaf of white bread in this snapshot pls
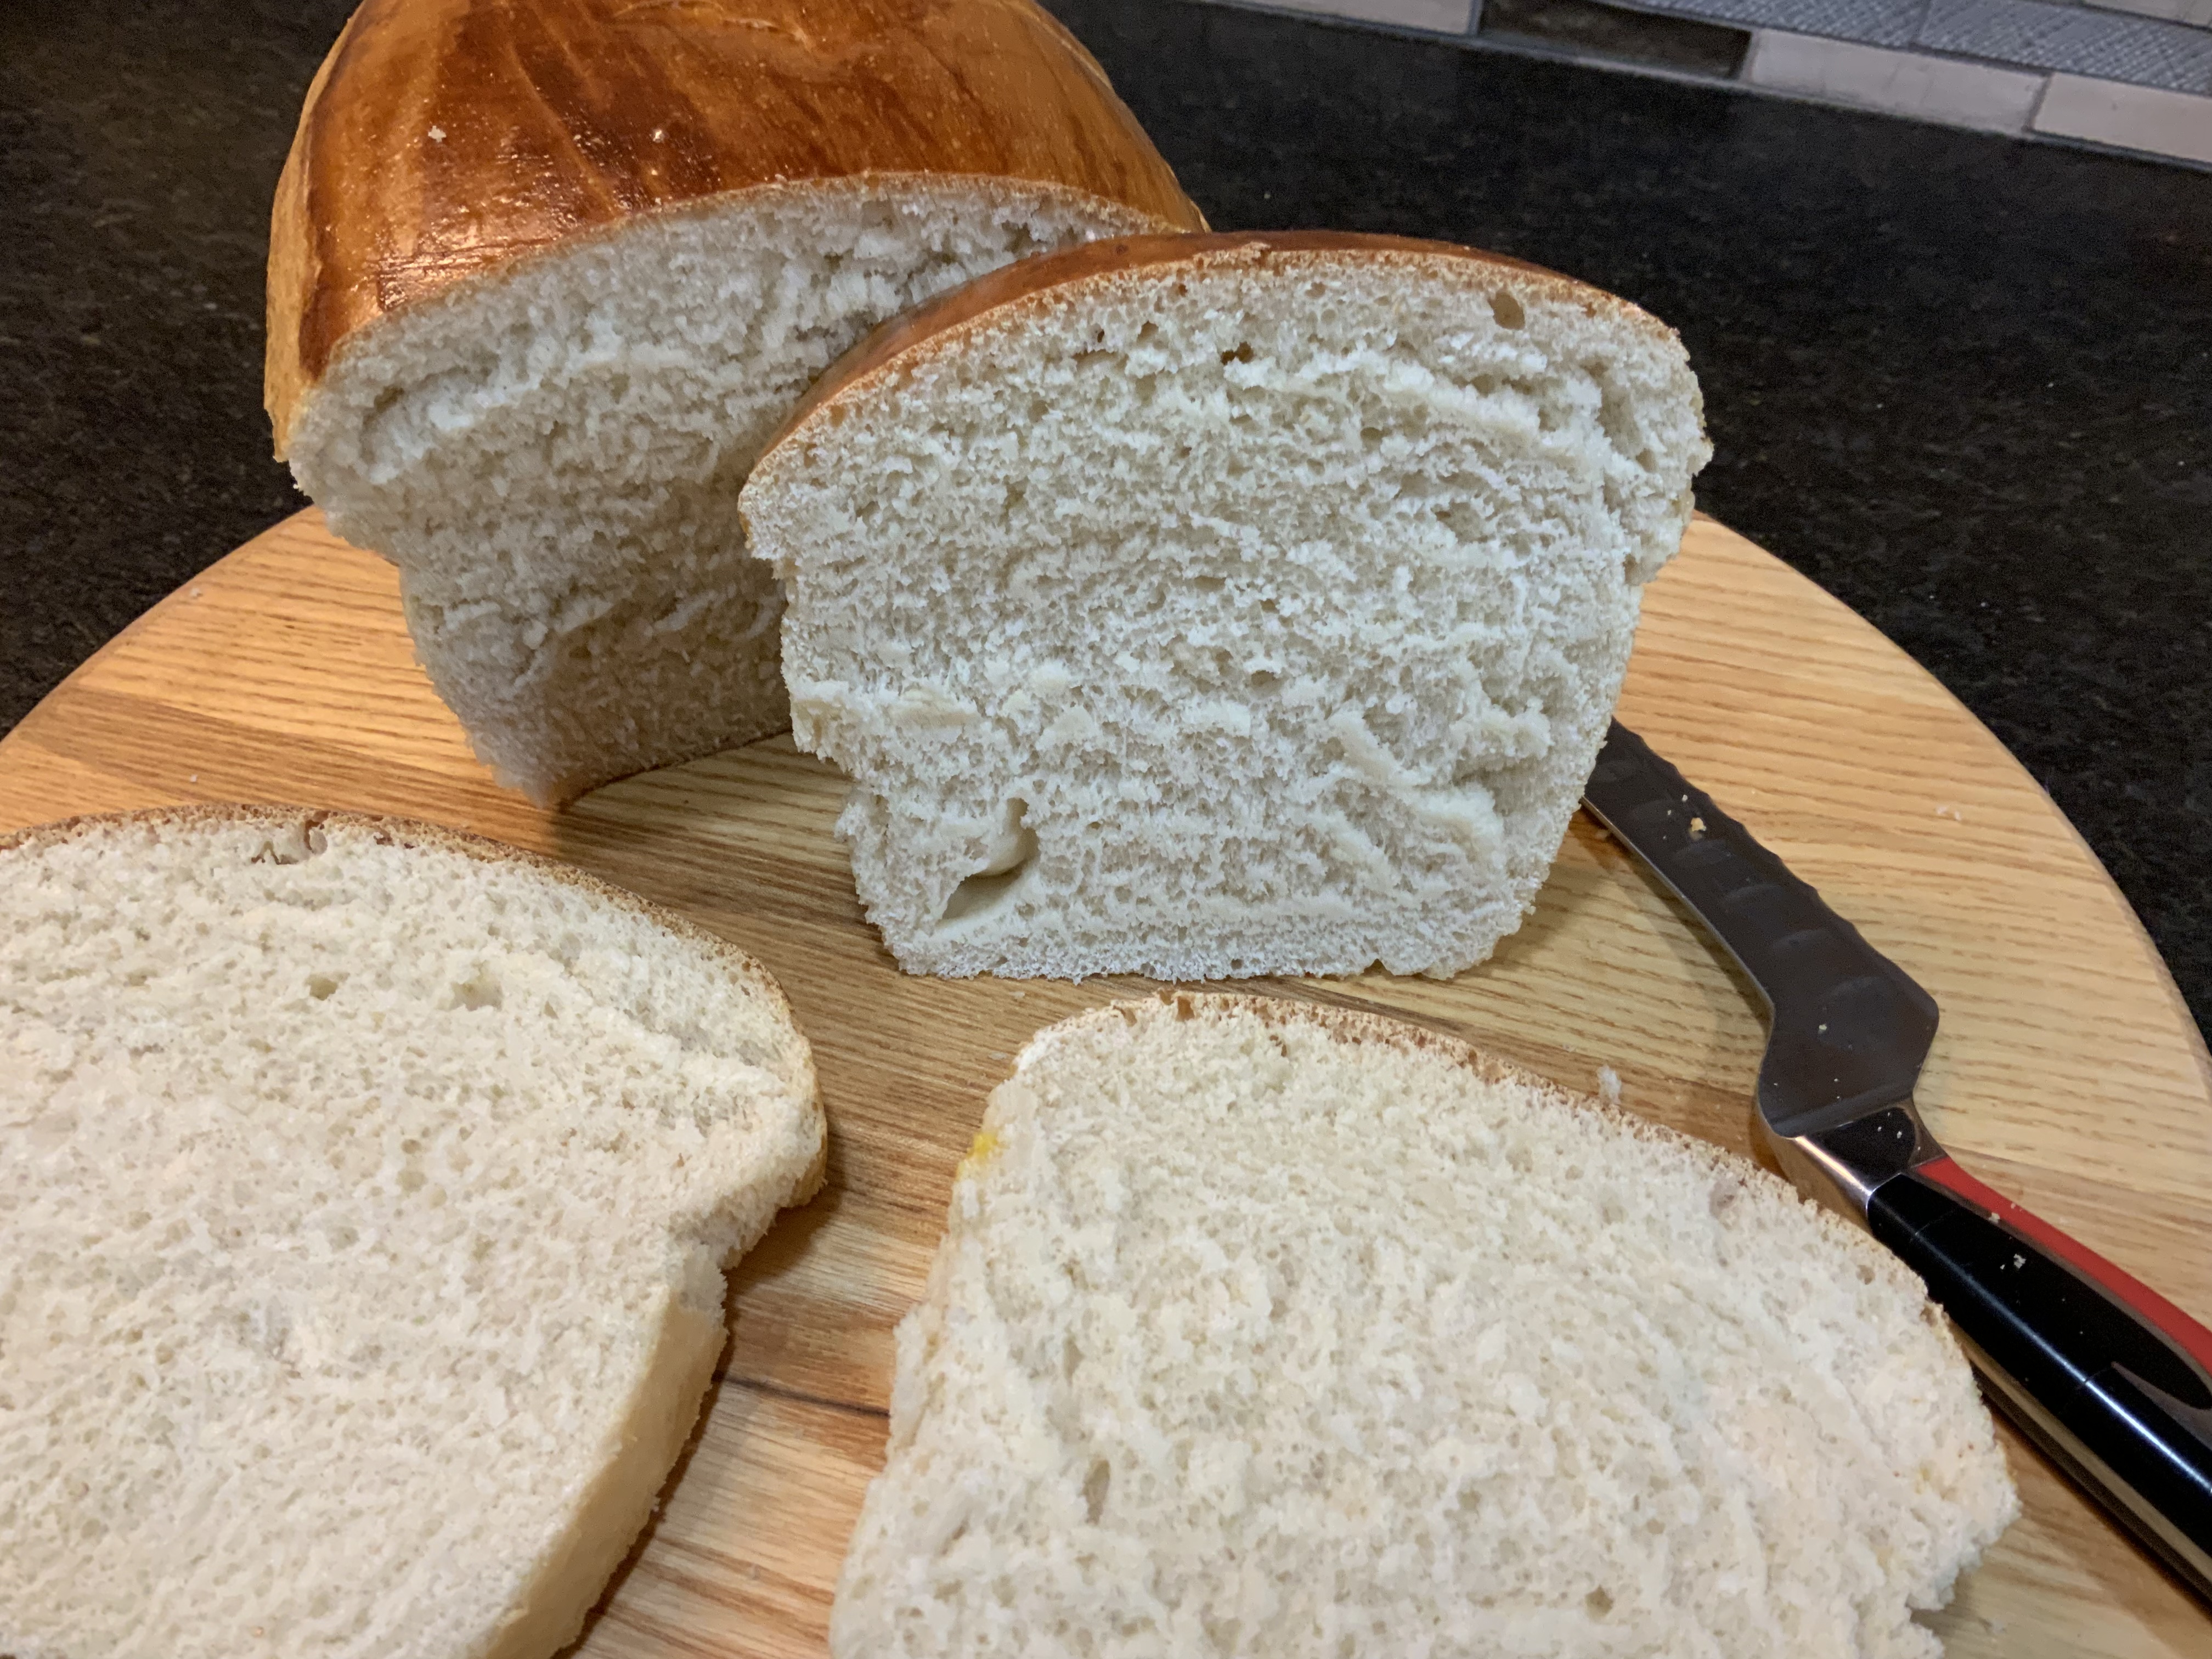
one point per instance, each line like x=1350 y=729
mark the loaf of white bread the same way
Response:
x=1204 y=606
x=543 y=279
x=1262 y=1328
x=365 y=1192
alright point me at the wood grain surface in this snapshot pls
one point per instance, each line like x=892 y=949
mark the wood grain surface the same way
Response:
x=2067 y=1071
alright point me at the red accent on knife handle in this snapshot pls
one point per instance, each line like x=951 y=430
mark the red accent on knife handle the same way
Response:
x=2103 y=1373
x=2152 y=1307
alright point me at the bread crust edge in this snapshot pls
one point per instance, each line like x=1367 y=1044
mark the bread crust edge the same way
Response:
x=1058 y=280
x=1359 y=1026
x=416 y=832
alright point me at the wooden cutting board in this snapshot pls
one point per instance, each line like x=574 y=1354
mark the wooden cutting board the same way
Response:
x=2067 y=1072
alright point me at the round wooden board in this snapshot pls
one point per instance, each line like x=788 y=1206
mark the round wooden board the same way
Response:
x=2067 y=1072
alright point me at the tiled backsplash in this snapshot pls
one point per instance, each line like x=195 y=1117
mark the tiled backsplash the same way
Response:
x=2132 y=75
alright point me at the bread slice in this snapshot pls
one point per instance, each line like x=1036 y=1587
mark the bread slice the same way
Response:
x=1260 y=1328
x=365 y=1191
x=1205 y=606
x=544 y=278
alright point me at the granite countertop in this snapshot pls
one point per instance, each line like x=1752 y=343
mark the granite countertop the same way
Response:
x=1963 y=382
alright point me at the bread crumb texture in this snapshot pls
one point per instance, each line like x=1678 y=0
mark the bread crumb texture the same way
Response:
x=551 y=455
x=1257 y=612
x=363 y=1196
x=1267 y=1331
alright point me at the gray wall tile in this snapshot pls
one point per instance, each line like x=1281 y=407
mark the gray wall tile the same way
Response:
x=1878 y=22
x=2111 y=45
x=2074 y=39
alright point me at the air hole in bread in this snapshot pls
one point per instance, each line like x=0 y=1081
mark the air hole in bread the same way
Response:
x=1599 y=1601
x=321 y=986
x=1096 y=1486
x=1243 y=354
x=295 y=844
x=1006 y=861
x=481 y=989
x=1507 y=309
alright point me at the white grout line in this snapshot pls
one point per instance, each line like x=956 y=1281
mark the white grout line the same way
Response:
x=2036 y=114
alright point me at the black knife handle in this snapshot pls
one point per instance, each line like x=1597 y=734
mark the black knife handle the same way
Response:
x=1850 y=1028
x=2109 y=1377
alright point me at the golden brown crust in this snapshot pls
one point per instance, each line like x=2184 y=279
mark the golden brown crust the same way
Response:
x=443 y=139
x=292 y=268
x=1061 y=278
x=412 y=832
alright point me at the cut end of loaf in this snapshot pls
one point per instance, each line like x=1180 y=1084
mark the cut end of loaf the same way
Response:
x=551 y=455
x=433 y=149
x=1262 y=1328
x=1216 y=606
x=526 y=332
x=367 y=1189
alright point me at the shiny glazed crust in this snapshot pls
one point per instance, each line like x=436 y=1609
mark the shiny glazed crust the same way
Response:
x=444 y=139
x=1066 y=278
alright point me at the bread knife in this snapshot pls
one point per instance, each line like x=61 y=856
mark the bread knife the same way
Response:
x=2109 y=1378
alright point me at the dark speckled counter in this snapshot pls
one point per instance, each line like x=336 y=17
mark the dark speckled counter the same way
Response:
x=1963 y=382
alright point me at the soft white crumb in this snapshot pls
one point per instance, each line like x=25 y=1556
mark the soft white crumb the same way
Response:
x=1228 y=555
x=473 y=1141
x=1246 y=1336
x=422 y=441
